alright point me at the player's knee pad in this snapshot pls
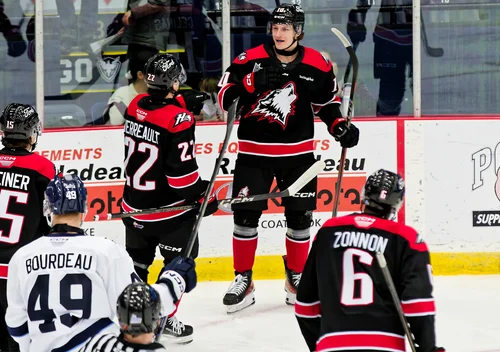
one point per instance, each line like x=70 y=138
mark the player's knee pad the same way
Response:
x=298 y=223
x=247 y=218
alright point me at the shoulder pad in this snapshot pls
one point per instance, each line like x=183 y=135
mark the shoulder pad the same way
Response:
x=314 y=58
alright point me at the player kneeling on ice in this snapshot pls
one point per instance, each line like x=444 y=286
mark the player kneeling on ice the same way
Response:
x=281 y=87
x=62 y=288
x=343 y=302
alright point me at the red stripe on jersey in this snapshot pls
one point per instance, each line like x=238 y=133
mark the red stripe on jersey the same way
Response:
x=220 y=96
x=361 y=340
x=33 y=161
x=409 y=233
x=259 y=52
x=307 y=310
x=419 y=307
x=275 y=149
x=4 y=271
x=155 y=217
x=183 y=181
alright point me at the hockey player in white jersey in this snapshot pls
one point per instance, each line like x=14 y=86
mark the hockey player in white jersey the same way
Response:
x=62 y=289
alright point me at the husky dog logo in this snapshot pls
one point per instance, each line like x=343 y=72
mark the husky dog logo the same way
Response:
x=243 y=192
x=109 y=67
x=277 y=105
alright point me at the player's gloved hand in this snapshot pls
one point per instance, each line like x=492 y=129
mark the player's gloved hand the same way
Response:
x=194 y=100
x=213 y=204
x=348 y=136
x=179 y=276
x=15 y=41
x=356 y=29
x=267 y=78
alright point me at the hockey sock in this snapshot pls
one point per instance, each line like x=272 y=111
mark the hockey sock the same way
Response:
x=244 y=248
x=297 y=249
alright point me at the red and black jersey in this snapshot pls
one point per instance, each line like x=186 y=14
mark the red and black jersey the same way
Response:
x=343 y=302
x=277 y=126
x=24 y=176
x=160 y=163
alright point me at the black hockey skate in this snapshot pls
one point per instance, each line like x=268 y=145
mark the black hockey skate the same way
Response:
x=177 y=332
x=291 y=283
x=241 y=293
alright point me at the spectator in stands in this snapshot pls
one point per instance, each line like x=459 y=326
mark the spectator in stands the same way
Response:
x=211 y=110
x=121 y=98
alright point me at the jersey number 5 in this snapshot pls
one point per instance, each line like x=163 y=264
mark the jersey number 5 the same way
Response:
x=17 y=221
x=40 y=294
x=350 y=278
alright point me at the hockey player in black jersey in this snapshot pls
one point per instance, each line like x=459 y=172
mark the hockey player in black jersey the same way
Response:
x=343 y=302
x=281 y=88
x=161 y=170
x=23 y=178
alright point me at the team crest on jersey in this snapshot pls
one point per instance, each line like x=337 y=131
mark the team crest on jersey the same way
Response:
x=242 y=56
x=244 y=192
x=109 y=67
x=182 y=117
x=277 y=105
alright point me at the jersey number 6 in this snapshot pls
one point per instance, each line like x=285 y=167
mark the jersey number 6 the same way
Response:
x=349 y=278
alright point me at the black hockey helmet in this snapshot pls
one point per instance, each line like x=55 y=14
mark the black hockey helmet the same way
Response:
x=138 y=309
x=20 y=121
x=383 y=193
x=162 y=71
x=289 y=14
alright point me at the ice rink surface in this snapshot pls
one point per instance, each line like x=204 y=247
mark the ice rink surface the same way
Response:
x=467 y=317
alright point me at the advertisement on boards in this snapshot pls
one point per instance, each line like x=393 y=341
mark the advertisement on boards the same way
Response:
x=97 y=157
x=460 y=209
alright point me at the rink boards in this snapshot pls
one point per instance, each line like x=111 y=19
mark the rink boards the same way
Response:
x=451 y=168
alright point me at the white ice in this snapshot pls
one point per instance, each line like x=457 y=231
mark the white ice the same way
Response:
x=467 y=317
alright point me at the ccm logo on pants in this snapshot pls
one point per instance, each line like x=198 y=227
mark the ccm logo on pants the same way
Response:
x=169 y=248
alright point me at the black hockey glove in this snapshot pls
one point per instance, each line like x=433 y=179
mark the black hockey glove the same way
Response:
x=213 y=204
x=356 y=29
x=348 y=136
x=194 y=100
x=267 y=78
x=179 y=276
x=15 y=41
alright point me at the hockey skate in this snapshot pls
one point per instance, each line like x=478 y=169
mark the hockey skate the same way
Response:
x=291 y=284
x=177 y=332
x=241 y=293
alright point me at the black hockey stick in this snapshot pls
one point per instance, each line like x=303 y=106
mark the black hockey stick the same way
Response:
x=355 y=64
x=433 y=52
x=304 y=179
x=395 y=299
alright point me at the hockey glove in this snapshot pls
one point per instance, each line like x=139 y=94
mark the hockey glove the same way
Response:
x=179 y=276
x=194 y=100
x=356 y=29
x=262 y=80
x=213 y=204
x=348 y=136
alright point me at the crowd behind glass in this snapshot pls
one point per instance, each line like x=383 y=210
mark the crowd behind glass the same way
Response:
x=95 y=50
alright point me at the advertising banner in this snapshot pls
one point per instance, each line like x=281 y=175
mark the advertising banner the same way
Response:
x=97 y=157
x=459 y=207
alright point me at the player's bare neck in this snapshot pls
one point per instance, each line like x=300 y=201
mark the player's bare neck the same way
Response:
x=143 y=339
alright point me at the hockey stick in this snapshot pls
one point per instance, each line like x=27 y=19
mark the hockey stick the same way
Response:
x=304 y=179
x=395 y=299
x=353 y=58
x=231 y=116
x=433 y=52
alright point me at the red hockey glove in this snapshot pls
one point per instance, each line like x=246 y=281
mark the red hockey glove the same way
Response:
x=348 y=136
x=213 y=204
x=262 y=80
